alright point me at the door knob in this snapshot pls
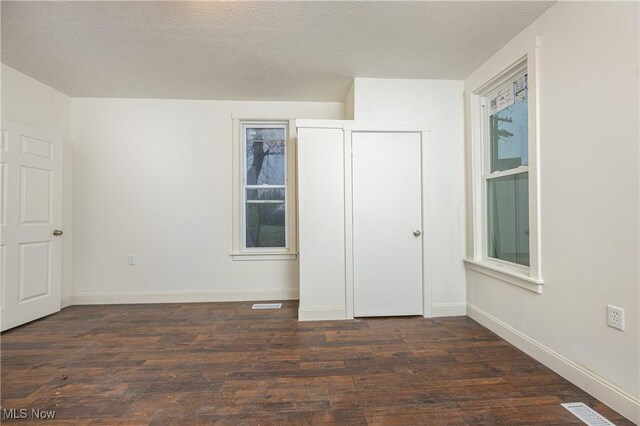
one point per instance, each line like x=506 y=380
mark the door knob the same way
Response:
x=58 y=232
x=417 y=233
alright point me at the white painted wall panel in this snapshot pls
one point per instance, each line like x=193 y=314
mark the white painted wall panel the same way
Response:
x=154 y=178
x=589 y=150
x=321 y=223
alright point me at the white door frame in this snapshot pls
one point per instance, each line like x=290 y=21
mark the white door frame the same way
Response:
x=350 y=128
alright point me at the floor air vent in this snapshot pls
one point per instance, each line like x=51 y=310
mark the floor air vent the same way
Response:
x=587 y=414
x=267 y=306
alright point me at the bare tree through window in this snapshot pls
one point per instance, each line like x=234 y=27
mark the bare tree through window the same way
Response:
x=265 y=186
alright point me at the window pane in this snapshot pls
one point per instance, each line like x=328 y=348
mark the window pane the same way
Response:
x=265 y=156
x=509 y=127
x=265 y=225
x=508 y=218
x=265 y=195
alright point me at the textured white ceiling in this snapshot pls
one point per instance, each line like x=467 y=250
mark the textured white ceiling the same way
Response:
x=250 y=50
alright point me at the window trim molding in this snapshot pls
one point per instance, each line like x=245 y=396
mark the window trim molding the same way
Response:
x=497 y=270
x=531 y=277
x=238 y=251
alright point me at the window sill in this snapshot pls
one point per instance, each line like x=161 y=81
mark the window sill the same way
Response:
x=261 y=256
x=506 y=275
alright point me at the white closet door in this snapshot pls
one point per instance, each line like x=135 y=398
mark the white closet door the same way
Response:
x=387 y=224
x=31 y=257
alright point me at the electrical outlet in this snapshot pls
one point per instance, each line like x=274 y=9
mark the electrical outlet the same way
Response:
x=615 y=317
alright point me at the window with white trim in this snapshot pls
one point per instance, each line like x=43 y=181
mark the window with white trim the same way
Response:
x=506 y=214
x=264 y=189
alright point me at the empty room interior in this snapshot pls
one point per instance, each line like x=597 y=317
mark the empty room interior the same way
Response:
x=274 y=212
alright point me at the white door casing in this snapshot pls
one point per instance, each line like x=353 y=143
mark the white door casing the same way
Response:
x=31 y=197
x=387 y=211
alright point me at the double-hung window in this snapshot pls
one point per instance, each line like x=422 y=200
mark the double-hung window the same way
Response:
x=506 y=173
x=505 y=176
x=264 y=214
x=264 y=186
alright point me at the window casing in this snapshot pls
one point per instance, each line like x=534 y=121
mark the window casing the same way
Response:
x=505 y=176
x=264 y=190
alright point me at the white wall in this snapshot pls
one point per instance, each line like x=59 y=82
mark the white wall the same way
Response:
x=321 y=221
x=29 y=102
x=439 y=105
x=589 y=149
x=153 y=178
x=349 y=103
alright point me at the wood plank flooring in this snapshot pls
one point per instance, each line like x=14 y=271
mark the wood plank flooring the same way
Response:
x=225 y=363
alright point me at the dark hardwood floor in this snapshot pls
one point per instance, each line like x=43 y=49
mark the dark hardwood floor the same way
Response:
x=228 y=364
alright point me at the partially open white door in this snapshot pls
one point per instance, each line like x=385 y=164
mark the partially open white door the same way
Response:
x=31 y=212
x=387 y=224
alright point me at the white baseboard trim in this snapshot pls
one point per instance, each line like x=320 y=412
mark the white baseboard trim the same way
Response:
x=322 y=314
x=66 y=301
x=448 y=309
x=620 y=400
x=182 y=296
